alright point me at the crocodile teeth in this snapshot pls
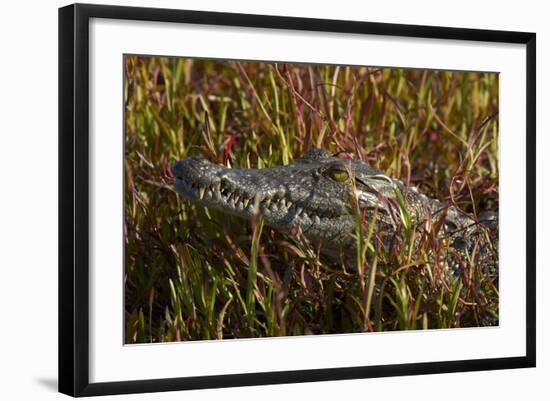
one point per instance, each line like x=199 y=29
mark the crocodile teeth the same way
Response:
x=282 y=202
x=201 y=192
x=246 y=201
x=216 y=187
x=267 y=202
x=299 y=210
x=257 y=200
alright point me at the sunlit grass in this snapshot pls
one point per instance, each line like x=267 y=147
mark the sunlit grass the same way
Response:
x=193 y=273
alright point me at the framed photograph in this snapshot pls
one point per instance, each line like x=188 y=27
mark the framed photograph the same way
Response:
x=249 y=199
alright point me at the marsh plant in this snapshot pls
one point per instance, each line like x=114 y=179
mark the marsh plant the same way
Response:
x=193 y=273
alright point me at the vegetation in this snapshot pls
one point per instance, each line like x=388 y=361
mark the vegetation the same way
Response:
x=196 y=274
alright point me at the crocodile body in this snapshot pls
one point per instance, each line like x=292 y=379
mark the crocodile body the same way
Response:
x=323 y=195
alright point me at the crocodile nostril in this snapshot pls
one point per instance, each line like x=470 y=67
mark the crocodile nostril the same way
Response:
x=177 y=169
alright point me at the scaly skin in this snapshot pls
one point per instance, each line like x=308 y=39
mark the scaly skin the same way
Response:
x=321 y=195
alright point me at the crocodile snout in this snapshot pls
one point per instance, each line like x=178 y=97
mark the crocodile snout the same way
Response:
x=193 y=167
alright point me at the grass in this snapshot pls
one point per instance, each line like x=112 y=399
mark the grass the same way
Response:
x=196 y=274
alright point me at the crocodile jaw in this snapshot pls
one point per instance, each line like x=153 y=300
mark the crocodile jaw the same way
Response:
x=248 y=192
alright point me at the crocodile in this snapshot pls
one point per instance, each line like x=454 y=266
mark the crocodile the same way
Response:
x=322 y=195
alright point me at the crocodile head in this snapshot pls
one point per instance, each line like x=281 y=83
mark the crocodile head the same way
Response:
x=319 y=193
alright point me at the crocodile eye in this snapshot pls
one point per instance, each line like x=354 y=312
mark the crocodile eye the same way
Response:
x=337 y=174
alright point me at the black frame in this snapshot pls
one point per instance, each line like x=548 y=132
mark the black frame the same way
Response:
x=74 y=198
